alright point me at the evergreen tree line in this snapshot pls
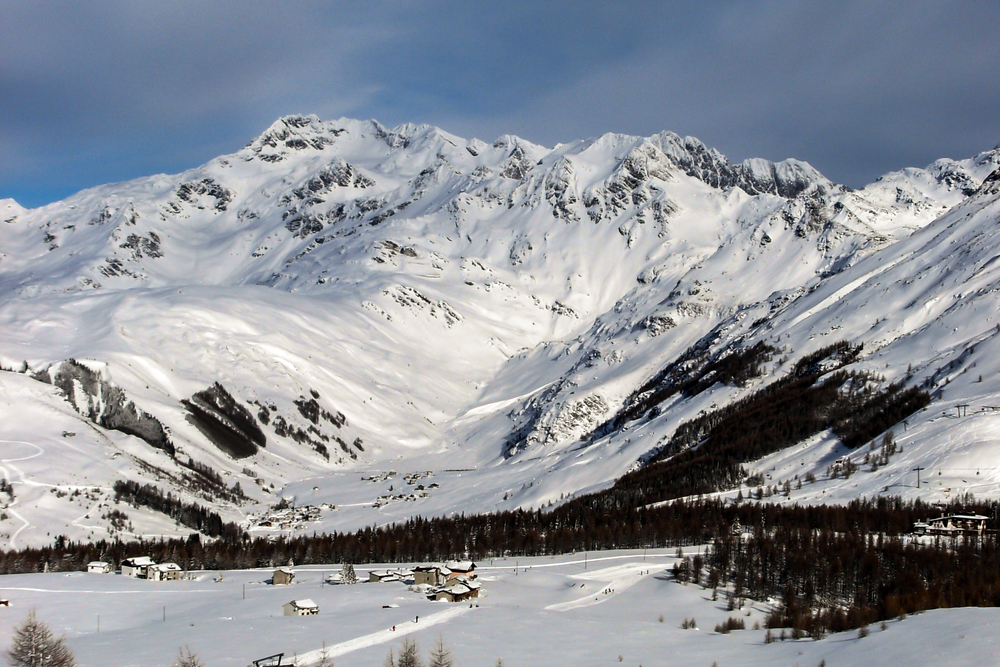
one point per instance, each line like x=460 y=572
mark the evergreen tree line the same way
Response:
x=187 y=514
x=778 y=416
x=575 y=526
x=830 y=580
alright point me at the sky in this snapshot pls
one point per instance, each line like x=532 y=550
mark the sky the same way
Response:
x=106 y=91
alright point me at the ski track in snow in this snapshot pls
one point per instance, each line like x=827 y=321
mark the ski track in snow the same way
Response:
x=618 y=579
x=24 y=524
x=382 y=636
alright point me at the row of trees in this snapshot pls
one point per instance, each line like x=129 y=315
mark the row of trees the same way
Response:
x=187 y=514
x=575 y=526
x=830 y=580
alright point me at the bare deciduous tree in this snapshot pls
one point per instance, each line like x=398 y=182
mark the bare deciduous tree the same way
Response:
x=409 y=655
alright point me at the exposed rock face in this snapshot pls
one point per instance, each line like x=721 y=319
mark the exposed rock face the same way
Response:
x=105 y=404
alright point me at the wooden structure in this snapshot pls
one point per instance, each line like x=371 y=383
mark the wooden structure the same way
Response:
x=461 y=568
x=304 y=607
x=432 y=575
x=282 y=577
x=458 y=592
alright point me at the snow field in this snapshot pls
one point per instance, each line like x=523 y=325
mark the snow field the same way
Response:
x=534 y=617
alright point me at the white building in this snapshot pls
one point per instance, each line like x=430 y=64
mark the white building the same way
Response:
x=164 y=572
x=99 y=567
x=136 y=566
x=301 y=608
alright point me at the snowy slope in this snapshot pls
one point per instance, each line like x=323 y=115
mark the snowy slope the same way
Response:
x=404 y=299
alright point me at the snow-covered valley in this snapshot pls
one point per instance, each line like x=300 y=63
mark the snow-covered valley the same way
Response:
x=372 y=301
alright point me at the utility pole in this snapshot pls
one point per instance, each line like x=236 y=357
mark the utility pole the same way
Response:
x=918 y=469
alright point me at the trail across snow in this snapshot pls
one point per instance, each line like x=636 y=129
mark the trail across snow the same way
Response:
x=382 y=636
x=616 y=579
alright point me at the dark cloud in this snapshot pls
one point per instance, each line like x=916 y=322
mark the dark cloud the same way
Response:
x=96 y=92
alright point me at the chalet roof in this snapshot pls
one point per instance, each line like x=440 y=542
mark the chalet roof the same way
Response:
x=305 y=603
x=431 y=568
x=166 y=567
x=960 y=517
x=96 y=563
x=460 y=565
x=457 y=589
x=139 y=561
x=285 y=570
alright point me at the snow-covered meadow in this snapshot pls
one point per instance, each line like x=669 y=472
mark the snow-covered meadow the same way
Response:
x=590 y=609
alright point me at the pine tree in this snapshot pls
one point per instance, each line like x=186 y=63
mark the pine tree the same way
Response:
x=409 y=655
x=185 y=658
x=324 y=657
x=440 y=656
x=347 y=575
x=34 y=645
x=389 y=660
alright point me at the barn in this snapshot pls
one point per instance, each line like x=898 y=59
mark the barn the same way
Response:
x=304 y=607
x=282 y=576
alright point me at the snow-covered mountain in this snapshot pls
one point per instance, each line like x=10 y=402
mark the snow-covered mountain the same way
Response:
x=338 y=300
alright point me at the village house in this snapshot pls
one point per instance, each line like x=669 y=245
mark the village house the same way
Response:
x=382 y=576
x=164 y=572
x=301 y=608
x=458 y=591
x=461 y=568
x=282 y=576
x=432 y=575
x=136 y=566
x=99 y=567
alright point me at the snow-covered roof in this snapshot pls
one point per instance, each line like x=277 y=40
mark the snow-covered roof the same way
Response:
x=138 y=561
x=460 y=565
x=286 y=570
x=432 y=567
x=96 y=563
x=166 y=567
x=305 y=603
x=961 y=517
